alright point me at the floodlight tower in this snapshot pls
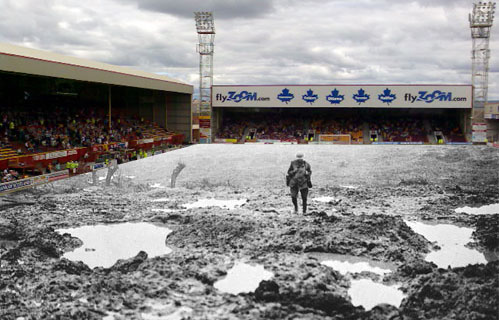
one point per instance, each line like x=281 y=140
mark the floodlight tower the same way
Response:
x=206 y=34
x=480 y=23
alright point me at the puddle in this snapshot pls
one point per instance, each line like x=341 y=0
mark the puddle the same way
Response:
x=349 y=187
x=243 y=278
x=324 y=199
x=157 y=186
x=368 y=294
x=130 y=177
x=488 y=209
x=92 y=189
x=162 y=200
x=350 y=264
x=452 y=240
x=103 y=245
x=204 y=203
x=161 y=210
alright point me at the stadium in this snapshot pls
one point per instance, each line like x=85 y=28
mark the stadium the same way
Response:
x=111 y=209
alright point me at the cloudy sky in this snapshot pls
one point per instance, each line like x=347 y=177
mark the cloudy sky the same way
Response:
x=262 y=41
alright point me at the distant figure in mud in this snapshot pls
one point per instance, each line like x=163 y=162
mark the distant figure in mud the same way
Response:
x=298 y=179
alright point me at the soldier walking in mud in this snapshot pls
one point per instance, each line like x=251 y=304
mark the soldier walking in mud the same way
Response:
x=298 y=179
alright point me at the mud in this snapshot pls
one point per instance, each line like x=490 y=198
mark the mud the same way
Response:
x=422 y=184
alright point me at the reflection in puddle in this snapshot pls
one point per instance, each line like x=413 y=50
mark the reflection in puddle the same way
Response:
x=204 y=203
x=324 y=199
x=368 y=294
x=452 y=241
x=103 y=245
x=243 y=278
x=488 y=209
x=350 y=264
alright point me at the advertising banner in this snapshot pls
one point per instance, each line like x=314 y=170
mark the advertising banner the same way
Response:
x=32 y=181
x=491 y=110
x=205 y=135
x=15 y=185
x=225 y=140
x=58 y=175
x=343 y=96
x=479 y=132
x=39 y=157
x=56 y=154
x=204 y=122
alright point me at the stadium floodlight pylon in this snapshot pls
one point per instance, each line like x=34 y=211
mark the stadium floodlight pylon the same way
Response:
x=205 y=26
x=481 y=20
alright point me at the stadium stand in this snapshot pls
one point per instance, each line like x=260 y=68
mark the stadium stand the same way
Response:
x=33 y=143
x=232 y=128
x=352 y=127
x=279 y=128
x=21 y=134
x=400 y=130
x=303 y=129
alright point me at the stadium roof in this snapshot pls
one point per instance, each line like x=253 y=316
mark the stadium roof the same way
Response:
x=30 y=61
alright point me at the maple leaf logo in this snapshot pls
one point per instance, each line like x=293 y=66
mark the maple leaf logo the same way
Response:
x=335 y=97
x=387 y=96
x=361 y=96
x=285 y=96
x=310 y=97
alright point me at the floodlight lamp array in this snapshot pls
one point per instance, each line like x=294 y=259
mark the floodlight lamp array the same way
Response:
x=483 y=14
x=204 y=22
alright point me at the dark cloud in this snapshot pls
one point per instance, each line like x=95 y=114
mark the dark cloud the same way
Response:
x=222 y=9
x=259 y=41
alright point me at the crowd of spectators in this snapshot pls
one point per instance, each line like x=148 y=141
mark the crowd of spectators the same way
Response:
x=232 y=128
x=400 y=130
x=28 y=132
x=353 y=127
x=284 y=127
x=277 y=127
x=9 y=175
x=288 y=127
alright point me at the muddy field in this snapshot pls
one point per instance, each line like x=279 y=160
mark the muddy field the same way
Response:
x=363 y=205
